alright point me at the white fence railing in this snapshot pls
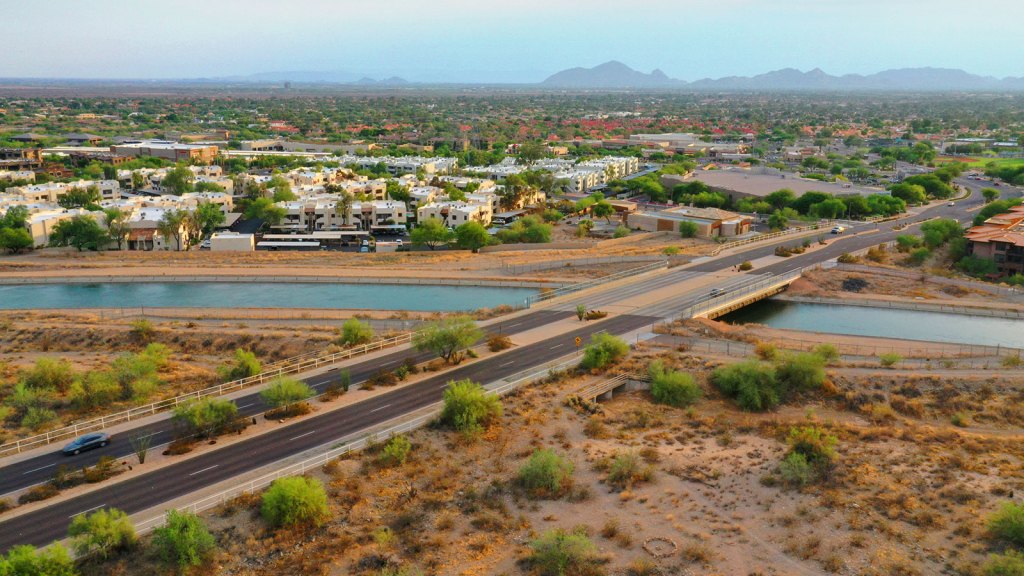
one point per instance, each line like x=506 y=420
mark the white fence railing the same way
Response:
x=549 y=294
x=382 y=432
x=293 y=365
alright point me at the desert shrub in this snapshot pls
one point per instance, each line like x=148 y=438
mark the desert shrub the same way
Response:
x=94 y=389
x=245 y=365
x=766 y=351
x=800 y=372
x=49 y=374
x=1009 y=564
x=396 y=451
x=795 y=471
x=183 y=541
x=142 y=330
x=468 y=408
x=294 y=501
x=752 y=384
x=1012 y=362
x=847 y=258
x=827 y=352
x=382 y=377
x=560 y=553
x=38 y=492
x=339 y=385
x=595 y=315
x=876 y=254
x=499 y=342
x=38 y=418
x=284 y=391
x=621 y=231
x=688 y=229
x=26 y=560
x=815 y=444
x=603 y=350
x=919 y=256
x=889 y=359
x=627 y=469
x=1007 y=524
x=102 y=532
x=354 y=331
x=671 y=387
x=207 y=417
x=546 y=474
x=746 y=265
x=670 y=250
x=908 y=242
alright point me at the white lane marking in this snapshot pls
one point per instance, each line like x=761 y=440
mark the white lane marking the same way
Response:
x=514 y=325
x=506 y=364
x=84 y=511
x=442 y=386
x=383 y=407
x=245 y=405
x=556 y=346
x=302 y=435
x=204 y=470
x=40 y=468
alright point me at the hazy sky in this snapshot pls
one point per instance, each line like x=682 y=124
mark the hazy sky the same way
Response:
x=510 y=40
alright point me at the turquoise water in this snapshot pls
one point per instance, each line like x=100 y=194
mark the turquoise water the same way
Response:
x=431 y=298
x=883 y=322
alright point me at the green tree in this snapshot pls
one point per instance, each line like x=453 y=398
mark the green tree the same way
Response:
x=15 y=217
x=207 y=417
x=671 y=387
x=561 y=553
x=431 y=233
x=909 y=193
x=448 y=337
x=546 y=474
x=117 y=225
x=284 y=391
x=183 y=541
x=468 y=408
x=15 y=240
x=265 y=209
x=472 y=236
x=688 y=229
x=990 y=194
x=49 y=374
x=995 y=207
x=1010 y=563
x=397 y=192
x=529 y=230
x=281 y=190
x=80 y=198
x=25 y=560
x=245 y=365
x=530 y=152
x=354 y=331
x=172 y=225
x=828 y=209
x=778 y=221
x=295 y=501
x=603 y=350
x=752 y=384
x=603 y=209
x=208 y=217
x=82 y=232
x=178 y=180
x=103 y=532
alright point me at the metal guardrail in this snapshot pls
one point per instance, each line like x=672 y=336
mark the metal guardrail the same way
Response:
x=716 y=302
x=393 y=427
x=283 y=368
x=548 y=295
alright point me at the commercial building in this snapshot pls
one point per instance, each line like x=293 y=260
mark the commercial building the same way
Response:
x=1000 y=239
x=711 y=222
x=167 y=150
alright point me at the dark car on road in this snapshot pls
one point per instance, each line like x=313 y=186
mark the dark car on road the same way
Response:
x=87 y=442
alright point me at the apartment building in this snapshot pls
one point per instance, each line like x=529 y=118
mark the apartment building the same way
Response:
x=53 y=191
x=168 y=150
x=455 y=214
x=1000 y=239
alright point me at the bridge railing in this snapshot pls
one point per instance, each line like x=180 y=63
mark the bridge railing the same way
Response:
x=549 y=294
x=286 y=367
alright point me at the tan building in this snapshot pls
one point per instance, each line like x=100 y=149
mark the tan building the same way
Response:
x=173 y=151
x=232 y=242
x=1000 y=239
x=455 y=214
x=711 y=222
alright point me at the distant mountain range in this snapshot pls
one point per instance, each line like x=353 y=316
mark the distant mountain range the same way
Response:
x=310 y=77
x=616 y=75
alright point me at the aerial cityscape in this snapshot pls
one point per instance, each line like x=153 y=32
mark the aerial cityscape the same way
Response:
x=550 y=289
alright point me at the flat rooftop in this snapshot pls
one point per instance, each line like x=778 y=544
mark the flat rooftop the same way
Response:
x=757 y=184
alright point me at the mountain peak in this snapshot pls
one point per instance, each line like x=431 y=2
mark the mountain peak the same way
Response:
x=611 y=74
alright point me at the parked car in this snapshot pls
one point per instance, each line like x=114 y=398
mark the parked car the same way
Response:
x=838 y=230
x=87 y=442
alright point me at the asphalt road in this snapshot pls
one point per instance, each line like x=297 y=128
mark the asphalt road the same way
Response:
x=133 y=495
x=36 y=470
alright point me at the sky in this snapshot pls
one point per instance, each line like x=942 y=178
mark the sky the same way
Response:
x=507 y=41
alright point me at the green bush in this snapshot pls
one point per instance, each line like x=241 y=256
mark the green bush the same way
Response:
x=688 y=229
x=184 y=541
x=1007 y=524
x=603 y=350
x=908 y=242
x=25 y=560
x=1009 y=564
x=919 y=256
x=560 y=553
x=284 y=391
x=396 y=451
x=889 y=359
x=673 y=388
x=49 y=374
x=752 y=384
x=142 y=330
x=817 y=446
x=746 y=266
x=207 y=417
x=38 y=418
x=245 y=365
x=102 y=532
x=977 y=267
x=827 y=352
x=627 y=469
x=294 y=501
x=468 y=408
x=546 y=474
x=621 y=231
x=354 y=331
x=800 y=372
x=795 y=471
